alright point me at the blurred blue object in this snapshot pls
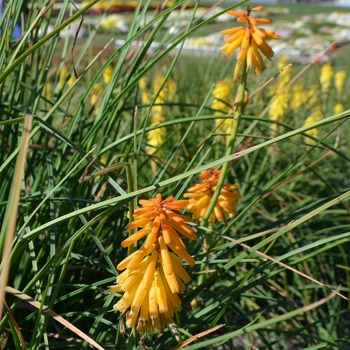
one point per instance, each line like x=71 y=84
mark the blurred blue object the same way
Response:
x=17 y=30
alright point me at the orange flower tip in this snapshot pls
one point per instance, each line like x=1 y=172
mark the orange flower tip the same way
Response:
x=257 y=8
x=263 y=20
x=241 y=19
x=125 y=244
x=236 y=13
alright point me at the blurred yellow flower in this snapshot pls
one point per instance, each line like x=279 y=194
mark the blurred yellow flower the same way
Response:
x=95 y=98
x=313 y=95
x=63 y=77
x=298 y=98
x=338 y=108
x=107 y=74
x=326 y=75
x=280 y=94
x=278 y=108
x=339 y=80
x=316 y=116
x=201 y=194
x=156 y=137
x=285 y=75
x=251 y=39
x=222 y=93
x=47 y=91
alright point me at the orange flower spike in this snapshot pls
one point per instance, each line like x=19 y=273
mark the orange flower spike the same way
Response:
x=252 y=36
x=200 y=195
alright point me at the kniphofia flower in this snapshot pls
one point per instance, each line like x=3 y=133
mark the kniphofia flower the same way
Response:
x=153 y=274
x=150 y=293
x=250 y=38
x=201 y=194
x=339 y=80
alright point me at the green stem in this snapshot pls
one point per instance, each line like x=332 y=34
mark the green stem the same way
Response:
x=236 y=121
x=132 y=247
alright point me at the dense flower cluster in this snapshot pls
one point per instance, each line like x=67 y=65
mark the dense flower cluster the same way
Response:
x=153 y=275
x=201 y=194
x=250 y=38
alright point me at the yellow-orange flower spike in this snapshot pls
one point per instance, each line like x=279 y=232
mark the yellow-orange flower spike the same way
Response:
x=150 y=294
x=156 y=218
x=250 y=38
x=200 y=196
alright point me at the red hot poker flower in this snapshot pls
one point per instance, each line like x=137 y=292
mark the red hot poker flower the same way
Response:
x=251 y=38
